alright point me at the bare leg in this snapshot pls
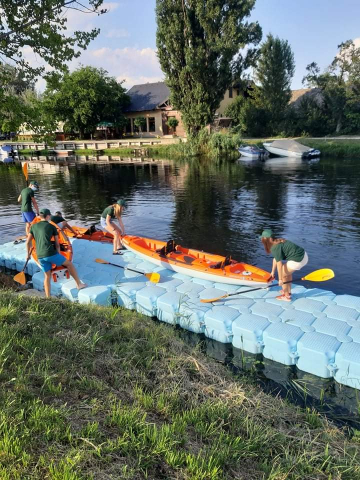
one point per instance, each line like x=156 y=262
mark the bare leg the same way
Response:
x=287 y=277
x=27 y=228
x=117 y=239
x=47 y=286
x=74 y=274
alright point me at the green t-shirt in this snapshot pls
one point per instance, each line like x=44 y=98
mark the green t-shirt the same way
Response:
x=108 y=211
x=287 y=251
x=26 y=195
x=43 y=232
x=57 y=219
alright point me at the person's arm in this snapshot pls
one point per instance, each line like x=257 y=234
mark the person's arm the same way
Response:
x=280 y=272
x=57 y=244
x=273 y=268
x=35 y=205
x=66 y=225
x=29 y=244
x=19 y=198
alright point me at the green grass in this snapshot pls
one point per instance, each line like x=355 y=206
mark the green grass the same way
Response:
x=98 y=393
x=335 y=148
x=29 y=151
x=87 y=151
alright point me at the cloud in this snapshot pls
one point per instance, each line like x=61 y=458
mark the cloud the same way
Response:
x=133 y=65
x=117 y=33
x=357 y=42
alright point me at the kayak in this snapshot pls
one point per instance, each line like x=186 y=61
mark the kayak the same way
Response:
x=65 y=250
x=196 y=263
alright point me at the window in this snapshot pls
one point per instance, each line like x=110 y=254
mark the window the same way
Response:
x=128 y=125
x=230 y=92
x=151 y=124
x=135 y=127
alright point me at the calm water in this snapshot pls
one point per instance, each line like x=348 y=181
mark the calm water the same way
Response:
x=221 y=208
x=218 y=208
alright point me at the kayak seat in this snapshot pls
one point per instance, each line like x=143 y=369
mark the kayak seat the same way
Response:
x=168 y=248
x=227 y=261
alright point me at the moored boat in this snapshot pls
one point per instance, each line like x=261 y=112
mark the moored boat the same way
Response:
x=291 y=148
x=194 y=263
x=252 y=152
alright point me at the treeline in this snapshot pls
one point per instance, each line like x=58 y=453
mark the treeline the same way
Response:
x=332 y=106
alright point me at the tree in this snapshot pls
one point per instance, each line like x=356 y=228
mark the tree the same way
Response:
x=199 y=44
x=172 y=123
x=140 y=123
x=41 y=25
x=86 y=97
x=340 y=86
x=273 y=74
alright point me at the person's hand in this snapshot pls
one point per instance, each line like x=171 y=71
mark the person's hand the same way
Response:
x=281 y=282
x=272 y=277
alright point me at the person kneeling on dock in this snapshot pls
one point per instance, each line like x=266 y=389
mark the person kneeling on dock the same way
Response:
x=107 y=223
x=288 y=258
x=61 y=222
x=47 y=253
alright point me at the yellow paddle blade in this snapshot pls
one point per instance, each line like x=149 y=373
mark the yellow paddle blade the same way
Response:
x=210 y=300
x=100 y=260
x=20 y=278
x=320 y=275
x=153 y=277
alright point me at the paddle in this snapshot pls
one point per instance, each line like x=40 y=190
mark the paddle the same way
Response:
x=20 y=277
x=153 y=277
x=321 y=275
x=25 y=172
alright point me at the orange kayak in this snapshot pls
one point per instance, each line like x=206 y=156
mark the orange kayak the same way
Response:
x=194 y=263
x=65 y=249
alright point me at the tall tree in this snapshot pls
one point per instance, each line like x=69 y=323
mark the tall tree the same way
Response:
x=41 y=25
x=274 y=71
x=340 y=86
x=86 y=97
x=199 y=44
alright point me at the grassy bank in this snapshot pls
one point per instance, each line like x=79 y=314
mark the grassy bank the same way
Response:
x=95 y=393
x=334 y=148
x=29 y=151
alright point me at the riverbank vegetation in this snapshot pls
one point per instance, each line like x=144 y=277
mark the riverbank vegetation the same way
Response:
x=93 y=392
x=334 y=148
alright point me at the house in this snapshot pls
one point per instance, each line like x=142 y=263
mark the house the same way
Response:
x=151 y=101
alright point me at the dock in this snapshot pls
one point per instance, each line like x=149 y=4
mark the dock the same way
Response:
x=318 y=332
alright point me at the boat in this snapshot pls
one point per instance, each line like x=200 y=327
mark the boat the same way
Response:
x=65 y=250
x=253 y=152
x=8 y=151
x=194 y=263
x=291 y=148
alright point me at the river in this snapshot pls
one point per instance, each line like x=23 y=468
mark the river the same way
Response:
x=218 y=208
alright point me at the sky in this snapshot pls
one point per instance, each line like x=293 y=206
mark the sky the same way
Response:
x=126 y=45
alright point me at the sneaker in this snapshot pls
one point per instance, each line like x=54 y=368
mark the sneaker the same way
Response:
x=284 y=298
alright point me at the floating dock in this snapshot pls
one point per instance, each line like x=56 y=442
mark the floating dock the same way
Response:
x=318 y=331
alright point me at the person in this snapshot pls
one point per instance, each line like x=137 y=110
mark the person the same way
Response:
x=27 y=199
x=288 y=258
x=61 y=222
x=106 y=221
x=47 y=253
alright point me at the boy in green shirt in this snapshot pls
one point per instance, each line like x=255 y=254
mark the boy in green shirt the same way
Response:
x=61 y=222
x=27 y=199
x=47 y=253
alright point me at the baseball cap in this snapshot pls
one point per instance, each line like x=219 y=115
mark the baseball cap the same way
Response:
x=34 y=182
x=45 y=212
x=121 y=202
x=267 y=233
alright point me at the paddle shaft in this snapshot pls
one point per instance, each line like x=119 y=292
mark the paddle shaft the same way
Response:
x=125 y=268
x=27 y=260
x=260 y=288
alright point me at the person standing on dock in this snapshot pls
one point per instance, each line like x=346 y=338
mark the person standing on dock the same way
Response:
x=288 y=258
x=60 y=221
x=47 y=253
x=27 y=199
x=111 y=213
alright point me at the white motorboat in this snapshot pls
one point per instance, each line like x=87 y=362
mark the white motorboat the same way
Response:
x=7 y=151
x=252 y=152
x=291 y=148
